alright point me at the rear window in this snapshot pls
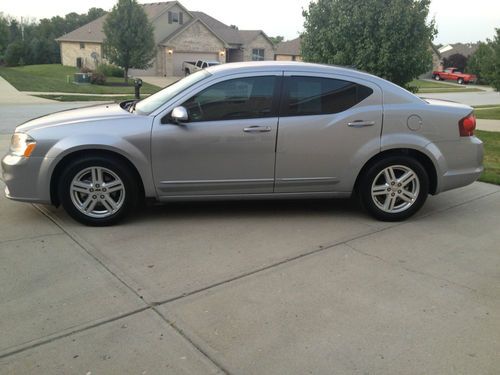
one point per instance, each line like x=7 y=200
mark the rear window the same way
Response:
x=308 y=96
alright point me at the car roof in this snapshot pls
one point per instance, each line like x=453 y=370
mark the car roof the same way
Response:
x=287 y=66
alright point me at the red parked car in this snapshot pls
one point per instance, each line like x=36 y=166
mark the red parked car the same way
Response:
x=452 y=74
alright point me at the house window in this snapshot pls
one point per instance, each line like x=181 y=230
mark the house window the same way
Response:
x=82 y=45
x=258 y=54
x=175 y=17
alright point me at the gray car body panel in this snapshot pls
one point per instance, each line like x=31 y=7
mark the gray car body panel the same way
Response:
x=306 y=156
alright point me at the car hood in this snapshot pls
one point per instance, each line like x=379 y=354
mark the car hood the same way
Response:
x=75 y=116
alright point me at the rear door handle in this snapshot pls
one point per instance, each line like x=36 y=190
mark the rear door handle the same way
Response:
x=257 y=129
x=360 y=124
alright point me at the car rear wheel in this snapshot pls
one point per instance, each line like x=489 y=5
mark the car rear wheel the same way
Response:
x=98 y=191
x=460 y=81
x=395 y=188
x=437 y=77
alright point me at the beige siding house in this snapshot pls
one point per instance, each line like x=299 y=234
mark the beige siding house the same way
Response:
x=180 y=35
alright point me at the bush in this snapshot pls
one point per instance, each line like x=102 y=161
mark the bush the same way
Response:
x=98 y=79
x=14 y=55
x=110 y=70
x=86 y=70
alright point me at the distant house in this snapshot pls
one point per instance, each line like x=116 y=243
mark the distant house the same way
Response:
x=180 y=35
x=444 y=52
x=288 y=51
x=465 y=49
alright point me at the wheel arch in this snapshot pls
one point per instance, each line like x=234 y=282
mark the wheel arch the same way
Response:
x=72 y=156
x=419 y=156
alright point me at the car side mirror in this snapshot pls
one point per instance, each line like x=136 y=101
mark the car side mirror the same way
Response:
x=179 y=115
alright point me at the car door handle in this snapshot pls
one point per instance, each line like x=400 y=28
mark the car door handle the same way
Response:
x=360 y=124
x=257 y=129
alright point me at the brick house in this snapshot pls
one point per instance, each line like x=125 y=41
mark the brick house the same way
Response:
x=180 y=35
x=289 y=51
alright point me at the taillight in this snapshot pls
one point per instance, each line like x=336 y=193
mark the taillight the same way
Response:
x=467 y=126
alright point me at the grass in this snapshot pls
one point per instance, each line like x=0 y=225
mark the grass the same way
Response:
x=53 y=78
x=491 y=156
x=428 y=87
x=93 y=98
x=490 y=112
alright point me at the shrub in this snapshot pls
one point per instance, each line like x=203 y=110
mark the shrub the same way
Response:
x=86 y=70
x=15 y=53
x=110 y=70
x=98 y=79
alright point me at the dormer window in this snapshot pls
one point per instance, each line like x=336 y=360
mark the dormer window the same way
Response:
x=176 y=17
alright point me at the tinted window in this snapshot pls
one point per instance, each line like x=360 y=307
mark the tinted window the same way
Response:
x=306 y=96
x=242 y=98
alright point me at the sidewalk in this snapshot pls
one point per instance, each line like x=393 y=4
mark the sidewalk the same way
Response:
x=488 y=125
x=10 y=95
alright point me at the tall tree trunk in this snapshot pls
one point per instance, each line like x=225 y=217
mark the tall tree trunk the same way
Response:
x=125 y=75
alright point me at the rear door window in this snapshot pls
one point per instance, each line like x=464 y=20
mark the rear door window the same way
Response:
x=308 y=96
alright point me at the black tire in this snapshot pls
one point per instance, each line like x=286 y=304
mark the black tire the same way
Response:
x=460 y=81
x=373 y=177
x=437 y=77
x=113 y=170
x=186 y=73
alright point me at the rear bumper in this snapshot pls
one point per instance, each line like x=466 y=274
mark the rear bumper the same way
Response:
x=463 y=163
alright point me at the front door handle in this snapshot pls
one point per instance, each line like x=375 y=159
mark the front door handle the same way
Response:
x=360 y=124
x=257 y=129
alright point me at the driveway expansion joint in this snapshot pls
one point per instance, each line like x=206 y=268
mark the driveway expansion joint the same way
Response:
x=191 y=341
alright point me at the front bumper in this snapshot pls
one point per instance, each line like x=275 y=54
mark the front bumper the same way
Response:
x=22 y=179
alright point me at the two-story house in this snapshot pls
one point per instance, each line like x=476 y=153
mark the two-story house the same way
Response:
x=180 y=35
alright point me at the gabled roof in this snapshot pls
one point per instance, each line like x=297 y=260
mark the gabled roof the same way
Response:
x=180 y=30
x=290 y=48
x=227 y=33
x=465 y=49
x=93 y=31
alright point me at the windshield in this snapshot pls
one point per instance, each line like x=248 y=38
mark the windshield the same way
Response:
x=148 y=105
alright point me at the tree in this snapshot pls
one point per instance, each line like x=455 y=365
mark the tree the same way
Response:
x=388 y=38
x=485 y=62
x=277 y=39
x=494 y=74
x=129 y=39
x=456 y=60
x=4 y=34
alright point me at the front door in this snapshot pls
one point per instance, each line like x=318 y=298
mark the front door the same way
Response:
x=228 y=144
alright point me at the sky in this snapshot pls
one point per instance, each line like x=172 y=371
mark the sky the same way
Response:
x=473 y=21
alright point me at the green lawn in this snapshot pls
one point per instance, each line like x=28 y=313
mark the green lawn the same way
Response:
x=93 y=98
x=491 y=156
x=53 y=78
x=438 y=87
x=487 y=112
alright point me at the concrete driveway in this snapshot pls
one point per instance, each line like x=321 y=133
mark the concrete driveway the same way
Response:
x=253 y=287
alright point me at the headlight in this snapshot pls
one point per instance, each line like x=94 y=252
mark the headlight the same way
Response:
x=22 y=144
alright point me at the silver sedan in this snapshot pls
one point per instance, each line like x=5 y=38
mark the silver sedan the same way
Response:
x=249 y=130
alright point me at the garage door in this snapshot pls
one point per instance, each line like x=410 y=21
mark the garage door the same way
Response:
x=180 y=57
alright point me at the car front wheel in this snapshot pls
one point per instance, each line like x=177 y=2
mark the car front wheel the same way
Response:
x=97 y=191
x=395 y=188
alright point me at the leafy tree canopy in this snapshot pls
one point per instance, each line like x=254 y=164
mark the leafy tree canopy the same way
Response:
x=456 y=60
x=277 y=39
x=388 y=38
x=129 y=35
x=485 y=62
